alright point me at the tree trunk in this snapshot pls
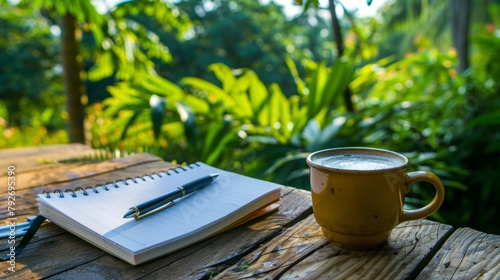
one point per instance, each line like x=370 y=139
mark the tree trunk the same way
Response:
x=337 y=33
x=337 y=36
x=460 y=17
x=72 y=78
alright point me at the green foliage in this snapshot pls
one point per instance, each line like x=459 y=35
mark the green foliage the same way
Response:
x=125 y=43
x=83 y=10
x=406 y=21
x=142 y=100
x=31 y=99
x=31 y=135
x=478 y=150
x=28 y=49
x=245 y=34
x=216 y=119
x=129 y=44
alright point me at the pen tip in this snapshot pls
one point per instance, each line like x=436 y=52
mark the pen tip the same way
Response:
x=129 y=214
x=214 y=175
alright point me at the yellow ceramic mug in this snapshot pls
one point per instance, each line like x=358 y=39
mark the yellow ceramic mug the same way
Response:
x=358 y=194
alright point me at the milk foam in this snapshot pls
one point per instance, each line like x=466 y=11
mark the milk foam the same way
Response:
x=358 y=161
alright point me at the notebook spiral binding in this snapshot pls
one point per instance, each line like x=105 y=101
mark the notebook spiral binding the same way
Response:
x=84 y=190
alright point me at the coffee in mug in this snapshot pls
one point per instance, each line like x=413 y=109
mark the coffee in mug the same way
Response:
x=358 y=194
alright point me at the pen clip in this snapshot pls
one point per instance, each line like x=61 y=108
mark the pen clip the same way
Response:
x=139 y=216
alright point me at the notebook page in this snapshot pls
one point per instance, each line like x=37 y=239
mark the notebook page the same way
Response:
x=102 y=213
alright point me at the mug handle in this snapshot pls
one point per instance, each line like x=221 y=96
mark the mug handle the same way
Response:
x=430 y=208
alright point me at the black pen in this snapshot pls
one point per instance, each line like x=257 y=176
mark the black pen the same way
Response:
x=167 y=199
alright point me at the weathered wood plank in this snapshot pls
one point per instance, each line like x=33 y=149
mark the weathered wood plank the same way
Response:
x=302 y=252
x=41 y=150
x=204 y=258
x=58 y=252
x=467 y=254
x=25 y=206
x=70 y=172
x=47 y=230
x=33 y=158
x=289 y=247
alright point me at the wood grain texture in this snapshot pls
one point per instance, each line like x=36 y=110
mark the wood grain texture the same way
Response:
x=47 y=230
x=286 y=244
x=58 y=252
x=15 y=153
x=303 y=253
x=195 y=262
x=37 y=158
x=62 y=173
x=467 y=254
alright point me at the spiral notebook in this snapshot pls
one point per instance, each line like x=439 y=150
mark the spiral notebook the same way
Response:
x=95 y=213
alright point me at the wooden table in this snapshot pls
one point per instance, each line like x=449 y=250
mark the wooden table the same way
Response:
x=287 y=244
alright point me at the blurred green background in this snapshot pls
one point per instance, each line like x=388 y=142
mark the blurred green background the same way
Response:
x=254 y=87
